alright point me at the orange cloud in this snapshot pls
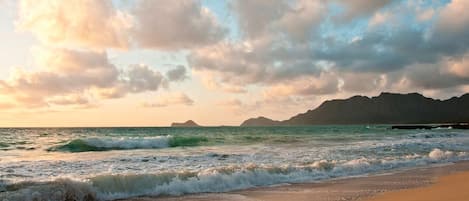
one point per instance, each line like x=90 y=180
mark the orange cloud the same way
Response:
x=63 y=73
x=454 y=17
x=325 y=83
x=83 y=23
x=71 y=77
x=459 y=67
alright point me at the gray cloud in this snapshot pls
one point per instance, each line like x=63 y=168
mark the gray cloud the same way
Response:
x=174 y=25
x=177 y=74
x=387 y=56
x=254 y=62
x=254 y=23
x=71 y=77
x=139 y=78
x=282 y=49
x=360 y=8
x=296 y=20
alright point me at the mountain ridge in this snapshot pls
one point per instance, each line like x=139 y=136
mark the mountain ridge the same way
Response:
x=386 y=108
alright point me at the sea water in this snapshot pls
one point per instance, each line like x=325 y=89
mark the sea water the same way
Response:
x=115 y=163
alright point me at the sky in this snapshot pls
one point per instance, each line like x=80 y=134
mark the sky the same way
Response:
x=149 y=63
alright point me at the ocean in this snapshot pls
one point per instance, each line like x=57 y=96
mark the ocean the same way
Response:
x=116 y=163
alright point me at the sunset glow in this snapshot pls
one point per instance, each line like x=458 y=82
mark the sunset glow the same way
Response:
x=150 y=63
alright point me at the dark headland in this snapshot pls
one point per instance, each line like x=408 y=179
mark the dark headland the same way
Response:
x=188 y=123
x=387 y=108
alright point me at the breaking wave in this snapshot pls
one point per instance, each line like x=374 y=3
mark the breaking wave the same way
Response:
x=107 y=143
x=221 y=179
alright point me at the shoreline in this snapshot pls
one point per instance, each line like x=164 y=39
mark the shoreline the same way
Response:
x=359 y=188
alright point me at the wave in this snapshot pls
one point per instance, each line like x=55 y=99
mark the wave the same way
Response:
x=107 y=143
x=221 y=179
x=427 y=135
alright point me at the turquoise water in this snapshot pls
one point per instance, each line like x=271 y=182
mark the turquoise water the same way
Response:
x=113 y=163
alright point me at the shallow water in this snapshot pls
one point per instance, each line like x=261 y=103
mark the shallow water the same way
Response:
x=112 y=163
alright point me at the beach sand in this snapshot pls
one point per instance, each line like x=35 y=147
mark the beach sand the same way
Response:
x=441 y=183
x=454 y=187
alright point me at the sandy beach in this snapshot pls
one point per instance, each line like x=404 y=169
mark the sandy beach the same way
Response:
x=453 y=187
x=443 y=182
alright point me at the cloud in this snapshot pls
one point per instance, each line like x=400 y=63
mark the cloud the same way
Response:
x=6 y=105
x=134 y=79
x=394 y=46
x=98 y=25
x=255 y=23
x=177 y=74
x=296 y=19
x=405 y=47
x=251 y=62
x=289 y=51
x=72 y=99
x=72 y=77
x=82 y=23
x=141 y=78
x=363 y=82
x=459 y=67
x=63 y=72
x=449 y=35
x=265 y=57
x=453 y=17
x=425 y=15
x=302 y=19
x=325 y=83
x=445 y=74
x=170 y=100
x=2 y=4
x=379 y=18
x=360 y=8
x=174 y=25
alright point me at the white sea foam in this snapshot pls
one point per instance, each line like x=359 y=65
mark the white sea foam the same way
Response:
x=438 y=154
x=112 y=143
x=129 y=142
x=227 y=161
x=219 y=179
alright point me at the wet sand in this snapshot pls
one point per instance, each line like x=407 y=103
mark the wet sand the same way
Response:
x=440 y=183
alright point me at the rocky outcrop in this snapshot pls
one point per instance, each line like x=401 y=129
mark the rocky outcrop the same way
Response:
x=260 y=121
x=188 y=123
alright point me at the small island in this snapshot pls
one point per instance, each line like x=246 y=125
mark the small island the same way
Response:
x=188 y=123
